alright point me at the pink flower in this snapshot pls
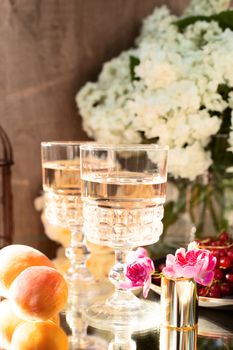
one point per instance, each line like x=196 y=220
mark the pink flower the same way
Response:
x=196 y=263
x=134 y=255
x=138 y=271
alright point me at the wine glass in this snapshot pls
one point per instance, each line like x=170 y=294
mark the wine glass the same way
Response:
x=123 y=209
x=63 y=207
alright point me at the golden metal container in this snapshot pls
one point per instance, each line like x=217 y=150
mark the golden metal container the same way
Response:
x=179 y=301
x=173 y=339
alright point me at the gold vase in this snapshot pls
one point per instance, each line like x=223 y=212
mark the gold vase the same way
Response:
x=171 y=339
x=179 y=301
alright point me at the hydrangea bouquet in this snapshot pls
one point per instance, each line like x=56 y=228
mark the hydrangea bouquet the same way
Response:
x=175 y=87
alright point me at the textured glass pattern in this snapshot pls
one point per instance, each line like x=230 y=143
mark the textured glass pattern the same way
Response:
x=121 y=227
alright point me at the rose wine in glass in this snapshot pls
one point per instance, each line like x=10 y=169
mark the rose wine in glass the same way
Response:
x=62 y=186
x=63 y=207
x=124 y=202
x=123 y=209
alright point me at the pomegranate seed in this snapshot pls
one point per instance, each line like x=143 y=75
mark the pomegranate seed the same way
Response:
x=226 y=289
x=225 y=262
x=229 y=277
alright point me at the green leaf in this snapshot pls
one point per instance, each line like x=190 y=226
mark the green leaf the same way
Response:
x=133 y=62
x=224 y=19
x=224 y=91
x=172 y=210
x=185 y=22
x=146 y=140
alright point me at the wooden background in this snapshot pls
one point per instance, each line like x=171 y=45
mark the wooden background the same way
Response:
x=48 y=50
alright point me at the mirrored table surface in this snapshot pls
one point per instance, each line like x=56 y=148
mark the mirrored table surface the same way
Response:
x=214 y=332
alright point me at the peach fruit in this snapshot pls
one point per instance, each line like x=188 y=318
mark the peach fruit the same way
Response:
x=55 y=319
x=40 y=336
x=14 y=259
x=38 y=293
x=8 y=323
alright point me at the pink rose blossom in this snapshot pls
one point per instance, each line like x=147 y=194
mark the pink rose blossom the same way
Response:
x=134 y=255
x=194 y=263
x=138 y=271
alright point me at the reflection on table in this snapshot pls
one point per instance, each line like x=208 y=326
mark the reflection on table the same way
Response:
x=215 y=332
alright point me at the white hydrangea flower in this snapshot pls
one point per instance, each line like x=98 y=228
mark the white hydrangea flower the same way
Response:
x=189 y=162
x=202 y=126
x=159 y=24
x=206 y=7
x=201 y=33
x=156 y=74
x=175 y=99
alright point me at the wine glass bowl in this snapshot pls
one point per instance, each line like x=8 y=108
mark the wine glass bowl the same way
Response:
x=123 y=204
x=61 y=182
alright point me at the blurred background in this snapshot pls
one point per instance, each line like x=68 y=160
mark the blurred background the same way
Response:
x=48 y=50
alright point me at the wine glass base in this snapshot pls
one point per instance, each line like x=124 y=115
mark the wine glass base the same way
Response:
x=106 y=317
x=116 y=346
x=88 y=342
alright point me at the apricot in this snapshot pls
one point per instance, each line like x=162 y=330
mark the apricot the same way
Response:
x=39 y=336
x=14 y=259
x=38 y=293
x=8 y=323
x=55 y=319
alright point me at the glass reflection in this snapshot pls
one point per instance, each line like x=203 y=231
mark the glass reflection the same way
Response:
x=122 y=341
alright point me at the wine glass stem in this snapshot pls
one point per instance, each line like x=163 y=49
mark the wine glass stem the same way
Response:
x=77 y=275
x=77 y=325
x=121 y=297
x=77 y=253
x=117 y=275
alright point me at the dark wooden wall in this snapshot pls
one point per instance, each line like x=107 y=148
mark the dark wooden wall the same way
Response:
x=48 y=50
